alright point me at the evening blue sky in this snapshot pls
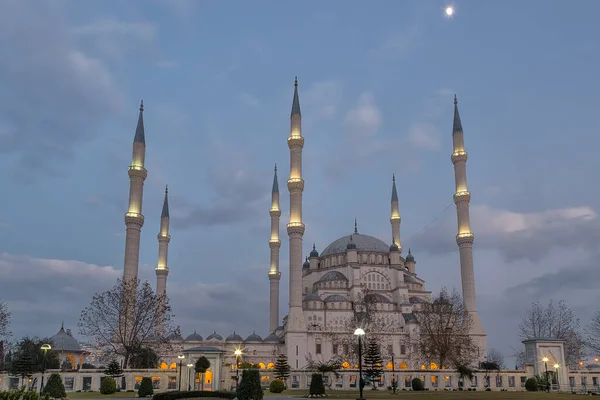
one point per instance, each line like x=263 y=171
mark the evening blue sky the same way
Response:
x=377 y=81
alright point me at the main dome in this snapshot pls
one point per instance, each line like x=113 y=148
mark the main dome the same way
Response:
x=362 y=242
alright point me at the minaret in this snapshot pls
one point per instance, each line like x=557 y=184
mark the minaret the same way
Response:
x=464 y=238
x=162 y=269
x=296 y=327
x=274 y=245
x=134 y=220
x=395 y=218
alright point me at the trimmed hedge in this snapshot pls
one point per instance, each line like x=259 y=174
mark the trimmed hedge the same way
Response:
x=531 y=385
x=108 y=385
x=276 y=386
x=193 y=394
x=417 y=384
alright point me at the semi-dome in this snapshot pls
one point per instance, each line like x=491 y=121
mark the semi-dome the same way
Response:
x=253 y=338
x=333 y=276
x=214 y=336
x=409 y=279
x=193 y=337
x=362 y=243
x=335 y=297
x=234 y=337
x=377 y=298
x=272 y=338
x=311 y=297
x=415 y=300
x=62 y=341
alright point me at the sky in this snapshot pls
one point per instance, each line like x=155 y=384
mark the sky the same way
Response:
x=376 y=82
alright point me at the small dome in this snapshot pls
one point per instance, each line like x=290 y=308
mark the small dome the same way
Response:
x=335 y=297
x=272 y=338
x=394 y=247
x=377 y=298
x=175 y=337
x=193 y=337
x=214 y=336
x=312 y=297
x=234 y=337
x=410 y=279
x=409 y=257
x=314 y=252
x=254 y=338
x=62 y=341
x=415 y=300
x=333 y=276
x=306 y=264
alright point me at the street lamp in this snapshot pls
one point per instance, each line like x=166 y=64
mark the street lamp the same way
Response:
x=394 y=383
x=556 y=372
x=190 y=365
x=181 y=357
x=238 y=354
x=44 y=347
x=545 y=360
x=360 y=333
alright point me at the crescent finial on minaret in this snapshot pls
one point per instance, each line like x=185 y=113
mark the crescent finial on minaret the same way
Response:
x=275 y=167
x=166 y=189
x=142 y=105
x=296 y=101
x=355 y=226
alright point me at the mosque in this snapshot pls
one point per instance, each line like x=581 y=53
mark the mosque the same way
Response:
x=325 y=289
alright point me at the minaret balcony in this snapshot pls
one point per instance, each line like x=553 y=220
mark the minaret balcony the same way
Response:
x=295 y=227
x=163 y=238
x=164 y=271
x=295 y=185
x=137 y=171
x=295 y=142
x=276 y=275
x=134 y=218
x=458 y=156
x=275 y=212
x=274 y=243
x=461 y=196
x=463 y=238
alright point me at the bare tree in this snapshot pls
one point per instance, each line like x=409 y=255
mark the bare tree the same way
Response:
x=444 y=325
x=126 y=318
x=4 y=320
x=593 y=334
x=496 y=358
x=555 y=321
x=367 y=313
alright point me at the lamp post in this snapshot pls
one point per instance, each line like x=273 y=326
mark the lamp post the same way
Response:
x=238 y=354
x=394 y=383
x=181 y=357
x=360 y=333
x=545 y=360
x=556 y=373
x=190 y=365
x=44 y=347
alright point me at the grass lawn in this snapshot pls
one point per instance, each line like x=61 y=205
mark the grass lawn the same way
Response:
x=98 y=395
x=383 y=394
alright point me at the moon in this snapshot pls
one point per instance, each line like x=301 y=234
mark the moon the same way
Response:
x=449 y=11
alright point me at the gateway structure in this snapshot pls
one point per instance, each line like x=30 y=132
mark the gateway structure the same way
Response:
x=325 y=288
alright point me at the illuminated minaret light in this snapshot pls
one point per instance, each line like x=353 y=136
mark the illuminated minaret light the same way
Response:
x=296 y=327
x=162 y=269
x=274 y=245
x=465 y=237
x=134 y=220
x=395 y=219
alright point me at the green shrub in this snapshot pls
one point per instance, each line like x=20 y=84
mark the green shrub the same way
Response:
x=193 y=394
x=146 y=388
x=316 y=384
x=250 y=387
x=54 y=387
x=108 y=385
x=417 y=384
x=276 y=386
x=531 y=385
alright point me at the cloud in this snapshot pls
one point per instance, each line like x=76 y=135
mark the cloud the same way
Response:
x=113 y=26
x=424 y=136
x=396 y=43
x=364 y=120
x=41 y=293
x=250 y=100
x=515 y=235
x=322 y=99
x=54 y=95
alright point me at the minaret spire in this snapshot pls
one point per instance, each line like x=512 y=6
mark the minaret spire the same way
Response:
x=355 y=226
x=296 y=326
x=465 y=237
x=162 y=269
x=274 y=245
x=134 y=220
x=395 y=218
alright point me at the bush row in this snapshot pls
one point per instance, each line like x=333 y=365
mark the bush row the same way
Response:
x=193 y=394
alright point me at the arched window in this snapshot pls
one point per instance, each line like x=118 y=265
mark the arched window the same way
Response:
x=403 y=365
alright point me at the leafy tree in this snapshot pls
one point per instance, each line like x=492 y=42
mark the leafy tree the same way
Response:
x=463 y=372
x=143 y=358
x=113 y=369
x=373 y=362
x=246 y=365
x=23 y=367
x=316 y=385
x=331 y=366
x=444 y=326
x=108 y=385
x=54 y=387
x=146 y=388
x=593 y=334
x=282 y=368
x=556 y=321
x=202 y=364
x=30 y=347
x=276 y=386
x=250 y=388
x=87 y=366
x=127 y=318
